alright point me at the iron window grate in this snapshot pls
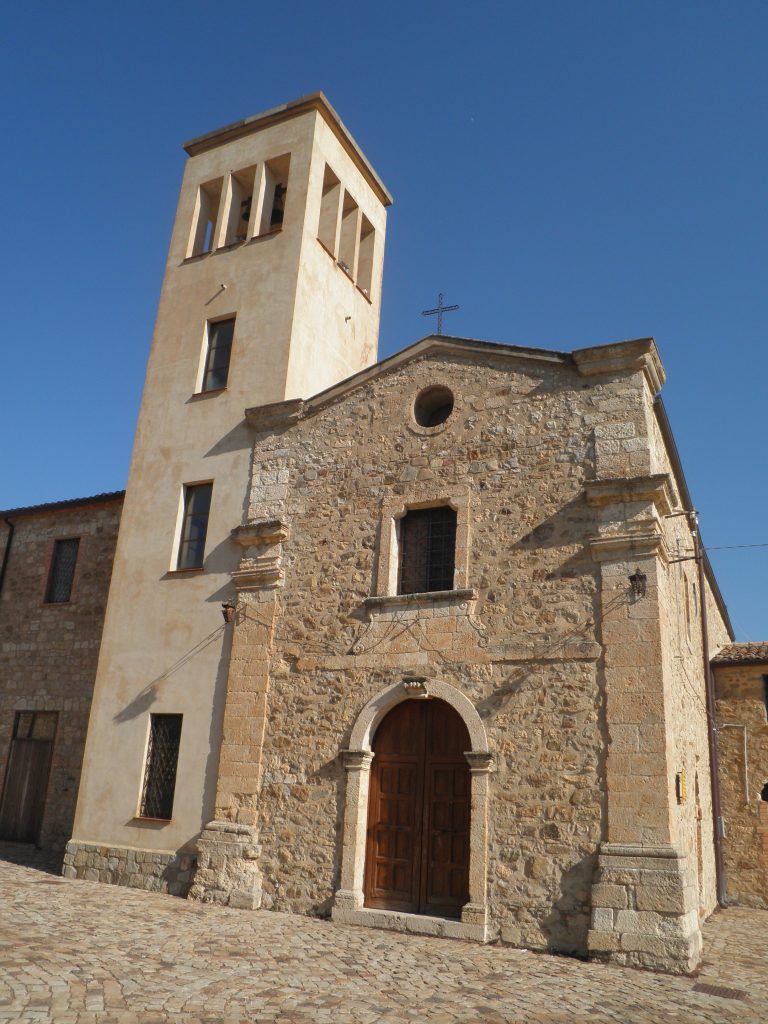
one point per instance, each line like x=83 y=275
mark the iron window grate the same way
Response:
x=62 y=572
x=160 y=769
x=427 y=550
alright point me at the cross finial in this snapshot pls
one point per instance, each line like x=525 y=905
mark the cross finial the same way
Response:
x=439 y=310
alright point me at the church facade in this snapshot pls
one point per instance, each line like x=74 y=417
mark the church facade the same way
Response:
x=419 y=644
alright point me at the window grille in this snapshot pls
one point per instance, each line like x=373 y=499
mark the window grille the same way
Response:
x=219 y=350
x=197 y=505
x=160 y=769
x=427 y=550
x=62 y=572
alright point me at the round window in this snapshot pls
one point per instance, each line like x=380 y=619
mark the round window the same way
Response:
x=433 y=406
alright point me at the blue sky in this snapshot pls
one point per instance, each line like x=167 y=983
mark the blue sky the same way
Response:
x=570 y=173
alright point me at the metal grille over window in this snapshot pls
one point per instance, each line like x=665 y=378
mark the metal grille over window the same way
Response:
x=62 y=571
x=197 y=505
x=219 y=350
x=427 y=550
x=160 y=771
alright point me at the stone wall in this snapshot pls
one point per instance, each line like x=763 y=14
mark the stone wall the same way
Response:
x=153 y=870
x=48 y=652
x=743 y=752
x=521 y=644
x=688 y=779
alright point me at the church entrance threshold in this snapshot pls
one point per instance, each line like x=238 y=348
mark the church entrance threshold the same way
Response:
x=417 y=857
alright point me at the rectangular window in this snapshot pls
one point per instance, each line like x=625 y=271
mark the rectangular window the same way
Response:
x=216 y=371
x=194 y=526
x=62 y=572
x=427 y=550
x=35 y=725
x=160 y=769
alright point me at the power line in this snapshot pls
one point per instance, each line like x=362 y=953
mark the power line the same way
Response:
x=733 y=547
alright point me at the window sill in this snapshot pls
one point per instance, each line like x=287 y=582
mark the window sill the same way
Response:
x=142 y=819
x=346 y=273
x=265 y=234
x=393 y=601
x=195 y=257
x=197 y=395
x=173 y=573
x=325 y=248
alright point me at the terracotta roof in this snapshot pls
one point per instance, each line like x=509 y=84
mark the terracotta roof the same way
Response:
x=743 y=654
x=48 y=506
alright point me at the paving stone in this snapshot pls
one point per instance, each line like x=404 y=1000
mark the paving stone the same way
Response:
x=81 y=953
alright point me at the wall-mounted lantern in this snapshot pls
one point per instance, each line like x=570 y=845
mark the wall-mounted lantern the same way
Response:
x=228 y=611
x=637 y=582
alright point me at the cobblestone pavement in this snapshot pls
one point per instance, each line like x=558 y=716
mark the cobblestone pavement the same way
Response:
x=82 y=953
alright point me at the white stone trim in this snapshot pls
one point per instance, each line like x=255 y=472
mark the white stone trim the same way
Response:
x=349 y=897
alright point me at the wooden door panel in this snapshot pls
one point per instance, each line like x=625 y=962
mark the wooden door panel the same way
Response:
x=417 y=855
x=394 y=817
x=26 y=780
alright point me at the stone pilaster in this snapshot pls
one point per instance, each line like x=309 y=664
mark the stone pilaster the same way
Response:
x=644 y=908
x=349 y=895
x=228 y=848
x=644 y=896
x=475 y=910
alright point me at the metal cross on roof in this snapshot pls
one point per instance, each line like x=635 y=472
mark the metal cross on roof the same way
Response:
x=439 y=309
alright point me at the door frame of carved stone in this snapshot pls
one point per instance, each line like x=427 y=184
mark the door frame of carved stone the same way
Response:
x=349 y=901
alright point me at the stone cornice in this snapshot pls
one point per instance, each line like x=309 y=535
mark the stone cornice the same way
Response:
x=261 y=563
x=305 y=104
x=657 y=488
x=394 y=601
x=262 y=531
x=276 y=414
x=624 y=355
x=620 y=547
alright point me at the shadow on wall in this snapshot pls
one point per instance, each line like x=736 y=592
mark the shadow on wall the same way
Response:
x=566 y=925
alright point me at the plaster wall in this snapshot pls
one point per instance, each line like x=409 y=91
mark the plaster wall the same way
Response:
x=164 y=648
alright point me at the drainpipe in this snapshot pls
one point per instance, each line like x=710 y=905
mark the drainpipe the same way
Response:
x=714 y=766
x=7 y=551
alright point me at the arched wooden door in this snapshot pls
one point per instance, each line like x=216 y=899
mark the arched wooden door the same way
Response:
x=417 y=856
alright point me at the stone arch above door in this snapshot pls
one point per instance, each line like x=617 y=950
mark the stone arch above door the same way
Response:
x=414 y=689
x=349 y=898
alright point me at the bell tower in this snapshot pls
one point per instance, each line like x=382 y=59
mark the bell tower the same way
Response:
x=272 y=291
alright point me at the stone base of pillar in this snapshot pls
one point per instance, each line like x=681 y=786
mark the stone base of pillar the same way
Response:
x=227 y=866
x=644 y=909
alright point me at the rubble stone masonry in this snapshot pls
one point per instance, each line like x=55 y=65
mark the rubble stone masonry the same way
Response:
x=574 y=687
x=742 y=718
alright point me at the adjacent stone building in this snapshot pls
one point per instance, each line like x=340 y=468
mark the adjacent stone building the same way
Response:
x=741 y=678
x=420 y=644
x=54 y=580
